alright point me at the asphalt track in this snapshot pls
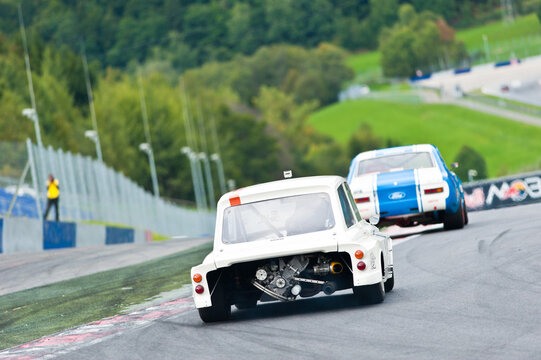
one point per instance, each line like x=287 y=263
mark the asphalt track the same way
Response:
x=463 y=294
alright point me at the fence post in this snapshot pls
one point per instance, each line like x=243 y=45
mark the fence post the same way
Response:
x=32 y=163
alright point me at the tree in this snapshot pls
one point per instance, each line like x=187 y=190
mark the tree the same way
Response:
x=418 y=41
x=250 y=156
x=469 y=159
x=363 y=140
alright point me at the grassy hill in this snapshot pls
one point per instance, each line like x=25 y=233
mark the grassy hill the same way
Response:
x=523 y=38
x=507 y=146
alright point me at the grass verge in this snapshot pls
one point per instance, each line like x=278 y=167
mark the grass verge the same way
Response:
x=30 y=314
x=506 y=145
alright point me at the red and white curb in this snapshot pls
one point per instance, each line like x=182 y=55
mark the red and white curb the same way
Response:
x=72 y=339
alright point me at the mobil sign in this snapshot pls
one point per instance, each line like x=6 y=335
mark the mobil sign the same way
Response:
x=508 y=191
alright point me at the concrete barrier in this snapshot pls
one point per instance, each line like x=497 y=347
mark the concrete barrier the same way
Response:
x=22 y=235
x=89 y=235
x=58 y=235
x=1 y=231
x=30 y=235
x=506 y=191
x=114 y=235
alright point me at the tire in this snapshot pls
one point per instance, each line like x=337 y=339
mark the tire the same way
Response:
x=389 y=284
x=220 y=309
x=370 y=294
x=455 y=220
x=466 y=219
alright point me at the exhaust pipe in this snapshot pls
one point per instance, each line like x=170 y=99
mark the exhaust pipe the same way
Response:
x=336 y=268
x=329 y=287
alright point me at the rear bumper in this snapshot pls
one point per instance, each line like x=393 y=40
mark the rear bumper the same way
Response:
x=431 y=211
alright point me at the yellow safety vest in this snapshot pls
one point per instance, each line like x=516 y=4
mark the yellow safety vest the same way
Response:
x=52 y=189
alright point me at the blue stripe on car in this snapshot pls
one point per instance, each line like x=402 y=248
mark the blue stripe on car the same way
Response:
x=397 y=193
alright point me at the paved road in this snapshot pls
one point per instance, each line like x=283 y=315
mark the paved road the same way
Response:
x=25 y=271
x=464 y=294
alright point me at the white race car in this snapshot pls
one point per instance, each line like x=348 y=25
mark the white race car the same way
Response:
x=288 y=239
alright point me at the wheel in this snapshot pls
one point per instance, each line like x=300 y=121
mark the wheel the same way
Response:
x=455 y=220
x=370 y=294
x=389 y=284
x=220 y=309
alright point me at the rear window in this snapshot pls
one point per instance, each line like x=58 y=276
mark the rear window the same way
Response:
x=277 y=218
x=400 y=162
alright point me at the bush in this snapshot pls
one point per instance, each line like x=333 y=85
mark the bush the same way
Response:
x=468 y=159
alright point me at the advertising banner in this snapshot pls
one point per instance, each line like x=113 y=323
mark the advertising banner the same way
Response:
x=506 y=191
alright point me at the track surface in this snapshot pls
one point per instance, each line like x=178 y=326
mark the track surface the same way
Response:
x=25 y=271
x=464 y=294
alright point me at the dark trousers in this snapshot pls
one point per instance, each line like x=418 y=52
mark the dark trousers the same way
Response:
x=51 y=202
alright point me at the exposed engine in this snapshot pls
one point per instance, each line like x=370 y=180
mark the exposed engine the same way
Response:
x=304 y=275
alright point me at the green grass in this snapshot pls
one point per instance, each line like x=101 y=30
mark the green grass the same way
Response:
x=364 y=62
x=507 y=146
x=33 y=313
x=499 y=32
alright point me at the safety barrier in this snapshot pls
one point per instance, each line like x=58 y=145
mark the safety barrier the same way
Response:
x=92 y=191
x=502 y=192
x=32 y=235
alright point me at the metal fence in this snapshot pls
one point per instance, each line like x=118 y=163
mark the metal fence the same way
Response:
x=91 y=191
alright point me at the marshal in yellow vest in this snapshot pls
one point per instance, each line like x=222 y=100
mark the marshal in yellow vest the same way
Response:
x=52 y=189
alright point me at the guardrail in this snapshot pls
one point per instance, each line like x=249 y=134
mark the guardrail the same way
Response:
x=501 y=192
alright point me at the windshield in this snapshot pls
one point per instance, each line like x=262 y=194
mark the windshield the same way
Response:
x=408 y=161
x=276 y=218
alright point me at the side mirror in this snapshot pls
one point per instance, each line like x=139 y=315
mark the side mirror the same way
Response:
x=454 y=165
x=374 y=220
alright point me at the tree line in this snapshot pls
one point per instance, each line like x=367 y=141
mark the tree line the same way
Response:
x=191 y=32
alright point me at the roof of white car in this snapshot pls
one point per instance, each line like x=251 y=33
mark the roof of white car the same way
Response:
x=274 y=189
x=394 y=151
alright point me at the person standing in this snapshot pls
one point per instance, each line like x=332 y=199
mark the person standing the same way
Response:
x=53 y=194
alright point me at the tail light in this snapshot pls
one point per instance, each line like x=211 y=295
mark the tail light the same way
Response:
x=361 y=265
x=199 y=289
x=434 y=190
x=362 y=200
x=359 y=254
x=197 y=278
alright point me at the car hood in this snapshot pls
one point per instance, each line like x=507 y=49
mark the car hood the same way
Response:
x=229 y=254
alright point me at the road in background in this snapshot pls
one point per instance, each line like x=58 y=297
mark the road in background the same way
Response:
x=487 y=76
x=25 y=271
x=463 y=294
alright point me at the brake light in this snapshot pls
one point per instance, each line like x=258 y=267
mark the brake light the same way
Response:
x=197 y=278
x=362 y=200
x=361 y=265
x=199 y=289
x=434 y=190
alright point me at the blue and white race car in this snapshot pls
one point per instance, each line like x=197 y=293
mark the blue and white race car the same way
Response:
x=407 y=186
